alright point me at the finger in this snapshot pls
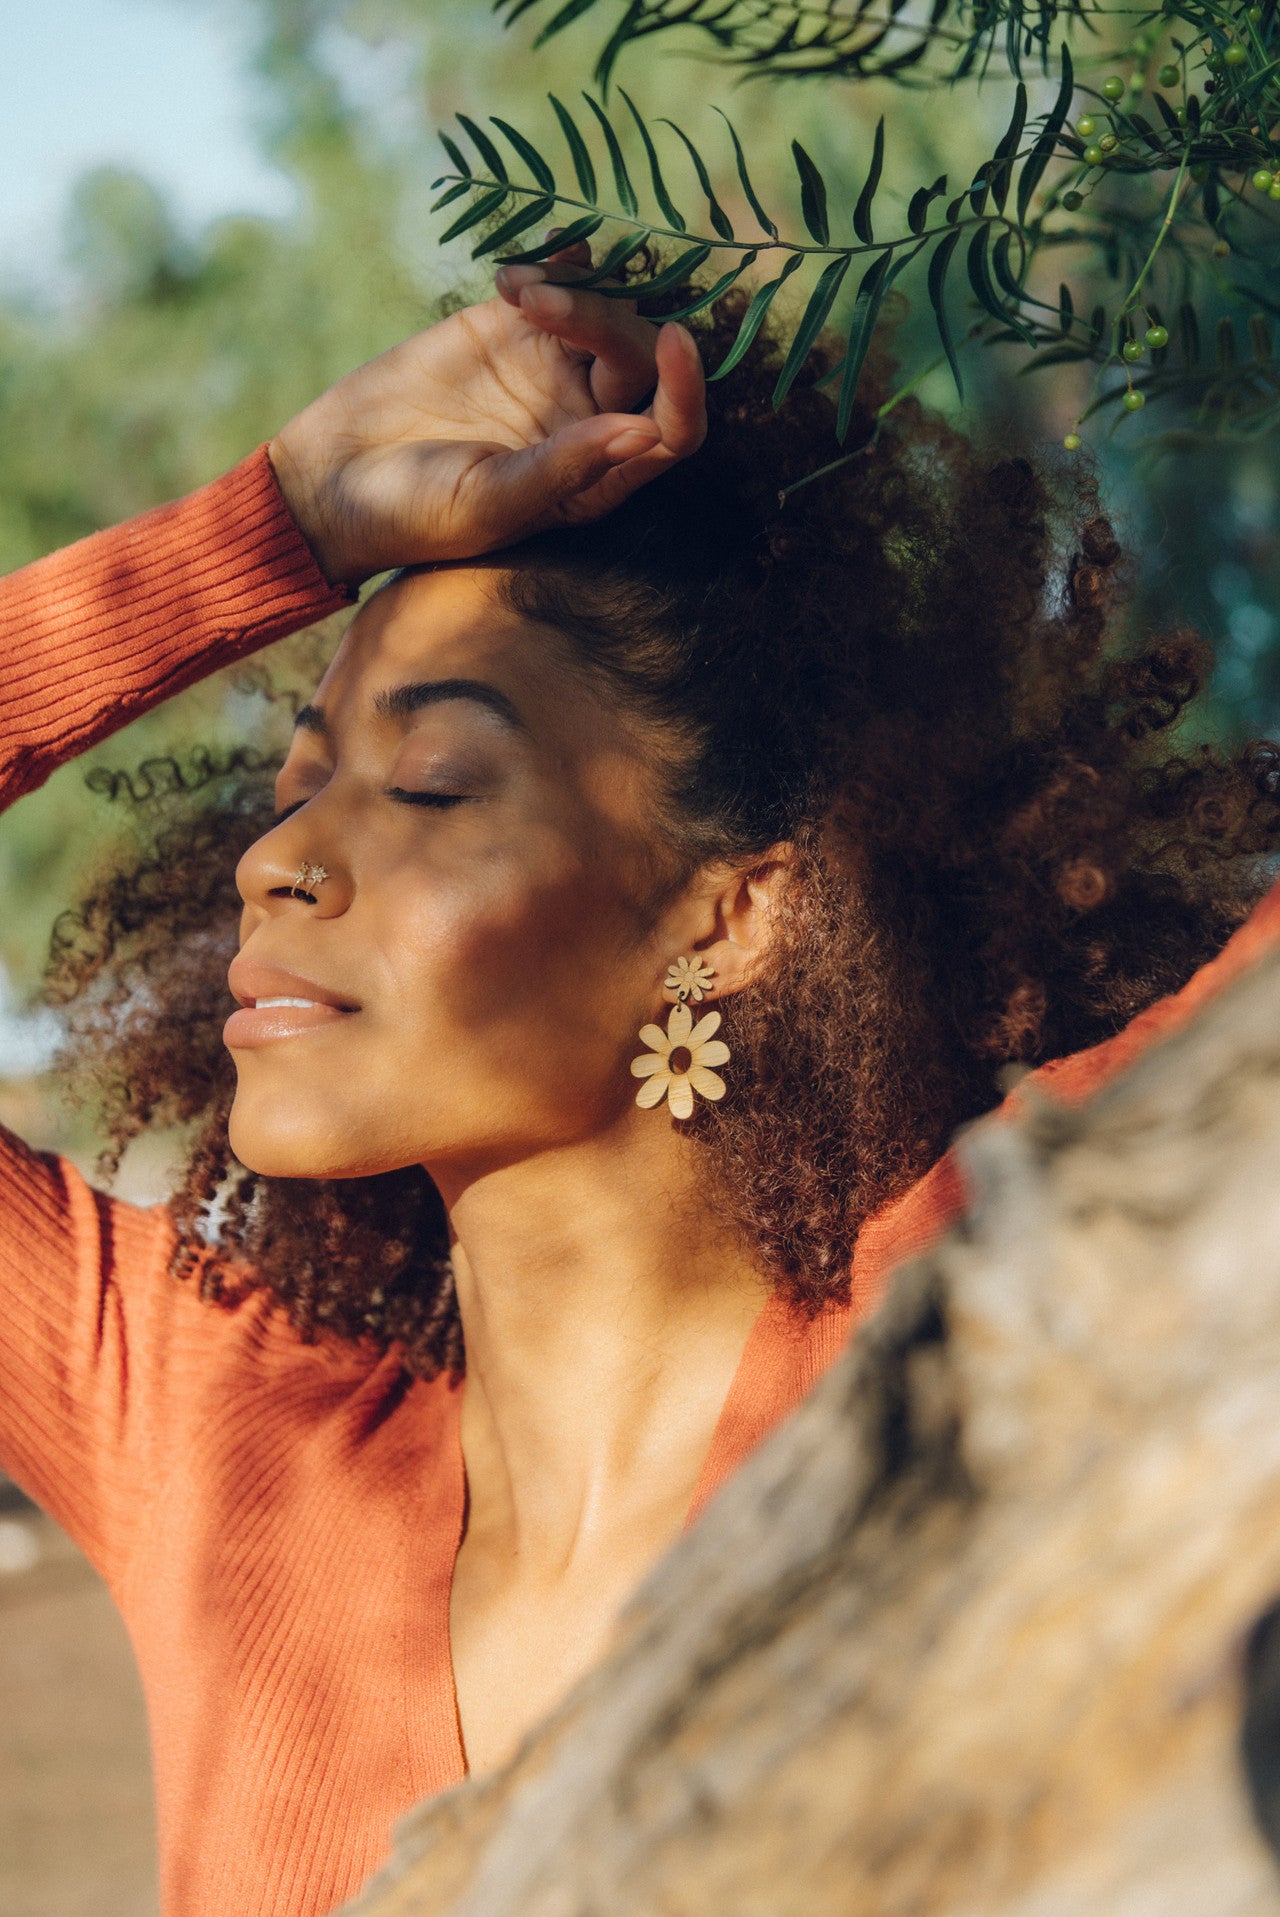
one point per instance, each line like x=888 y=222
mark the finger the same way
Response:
x=679 y=410
x=570 y=261
x=511 y=494
x=621 y=345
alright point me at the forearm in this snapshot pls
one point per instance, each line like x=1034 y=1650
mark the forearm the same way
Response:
x=97 y=634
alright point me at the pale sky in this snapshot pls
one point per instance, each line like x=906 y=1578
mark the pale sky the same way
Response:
x=157 y=85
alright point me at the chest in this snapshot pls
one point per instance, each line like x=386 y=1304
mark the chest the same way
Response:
x=520 y=1641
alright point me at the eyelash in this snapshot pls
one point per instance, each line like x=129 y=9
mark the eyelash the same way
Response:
x=442 y=801
x=438 y=801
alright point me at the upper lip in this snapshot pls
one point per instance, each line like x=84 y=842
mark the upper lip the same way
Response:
x=250 y=981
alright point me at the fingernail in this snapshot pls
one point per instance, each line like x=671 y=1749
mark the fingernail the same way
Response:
x=630 y=442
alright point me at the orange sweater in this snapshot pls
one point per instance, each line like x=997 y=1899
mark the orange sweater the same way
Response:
x=278 y=1523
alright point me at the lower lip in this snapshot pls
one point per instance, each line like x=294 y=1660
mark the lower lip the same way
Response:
x=256 y=1025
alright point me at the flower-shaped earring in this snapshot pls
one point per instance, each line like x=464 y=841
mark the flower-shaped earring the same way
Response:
x=679 y=1060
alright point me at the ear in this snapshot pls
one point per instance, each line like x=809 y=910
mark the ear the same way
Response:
x=734 y=916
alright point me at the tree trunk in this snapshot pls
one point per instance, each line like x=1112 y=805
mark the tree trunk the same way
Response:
x=970 y=1635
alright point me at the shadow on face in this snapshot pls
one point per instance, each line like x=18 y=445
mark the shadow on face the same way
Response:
x=475 y=961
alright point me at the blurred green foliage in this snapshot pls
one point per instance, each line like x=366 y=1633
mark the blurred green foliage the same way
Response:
x=175 y=354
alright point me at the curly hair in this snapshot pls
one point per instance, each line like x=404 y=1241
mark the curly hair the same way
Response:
x=911 y=669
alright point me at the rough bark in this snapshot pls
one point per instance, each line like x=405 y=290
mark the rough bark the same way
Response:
x=967 y=1637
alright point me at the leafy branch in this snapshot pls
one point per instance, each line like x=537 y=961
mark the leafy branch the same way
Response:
x=975 y=252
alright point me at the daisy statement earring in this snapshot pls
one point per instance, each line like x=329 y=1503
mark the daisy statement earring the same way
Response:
x=679 y=1060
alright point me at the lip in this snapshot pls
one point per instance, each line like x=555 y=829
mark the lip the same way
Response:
x=256 y=1024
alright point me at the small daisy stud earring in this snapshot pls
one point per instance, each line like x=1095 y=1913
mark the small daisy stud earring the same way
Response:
x=678 y=1062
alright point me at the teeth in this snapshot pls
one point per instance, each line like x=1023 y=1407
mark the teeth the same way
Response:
x=259 y=1003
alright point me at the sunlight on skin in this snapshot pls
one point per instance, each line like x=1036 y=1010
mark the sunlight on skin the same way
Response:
x=502 y=949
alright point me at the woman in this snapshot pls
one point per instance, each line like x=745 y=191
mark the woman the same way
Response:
x=659 y=873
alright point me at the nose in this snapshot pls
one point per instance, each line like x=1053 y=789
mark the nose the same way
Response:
x=289 y=870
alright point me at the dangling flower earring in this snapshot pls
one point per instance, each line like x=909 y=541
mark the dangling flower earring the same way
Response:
x=679 y=1060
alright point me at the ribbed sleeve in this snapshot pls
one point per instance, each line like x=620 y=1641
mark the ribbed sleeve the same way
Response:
x=98 y=633
x=89 y=638
x=79 y=1275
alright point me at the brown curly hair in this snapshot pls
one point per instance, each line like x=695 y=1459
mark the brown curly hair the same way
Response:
x=910 y=669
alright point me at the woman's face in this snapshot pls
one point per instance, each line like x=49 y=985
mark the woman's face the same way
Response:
x=484 y=943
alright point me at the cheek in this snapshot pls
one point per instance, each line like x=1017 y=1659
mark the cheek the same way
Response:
x=502 y=947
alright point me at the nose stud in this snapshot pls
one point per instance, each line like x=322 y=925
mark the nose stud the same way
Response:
x=308 y=879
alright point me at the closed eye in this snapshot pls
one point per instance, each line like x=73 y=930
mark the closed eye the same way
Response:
x=440 y=800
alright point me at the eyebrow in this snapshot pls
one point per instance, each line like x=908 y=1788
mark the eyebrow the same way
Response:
x=401 y=702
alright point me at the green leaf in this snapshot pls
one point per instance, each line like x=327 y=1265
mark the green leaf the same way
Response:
x=1169 y=117
x=586 y=173
x=862 y=211
x=871 y=292
x=621 y=178
x=460 y=161
x=1226 y=341
x=578 y=230
x=938 y=265
x=980 y=276
x=744 y=177
x=1260 y=337
x=670 y=212
x=680 y=269
x=530 y=214
x=1066 y=308
x=719 y=218
x=478 y=210
x=571 y=11
x=813 y=195
x=815 y=313
x=1006 y=279
x=918 y=211
x=1003 y=157
x=619 y=253
x=455 y=192
x=485 y=148
x=622 y=34
x=529 y=153
x=753 y=319
x=713 y=293
x=1042 y=152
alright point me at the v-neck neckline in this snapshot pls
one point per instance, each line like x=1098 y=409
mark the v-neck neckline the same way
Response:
x=781 y=1360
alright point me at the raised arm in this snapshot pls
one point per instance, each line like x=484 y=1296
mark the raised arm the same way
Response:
x=490 y=426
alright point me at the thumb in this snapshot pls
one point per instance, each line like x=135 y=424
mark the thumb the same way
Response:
x=517 y=493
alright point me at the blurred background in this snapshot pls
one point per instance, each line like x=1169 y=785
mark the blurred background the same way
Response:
x=208 y=210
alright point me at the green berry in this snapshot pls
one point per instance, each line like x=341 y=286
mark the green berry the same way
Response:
x=1262 y=180
x=1255 y=16
x=1093 y=156
x=1085 y=125
x=1073 y=202
x=1108 y=143
x=1235 y=55
x=1072 y=442
x=1133 y=349
x=1273 y=192
x=1156 y=337
x=1221 y=249
x=1133 y=401
x=1180 y=115
x=1113 y=87
x=1168 y=76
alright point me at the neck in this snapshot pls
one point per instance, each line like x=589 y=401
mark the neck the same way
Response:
x=605 y=1304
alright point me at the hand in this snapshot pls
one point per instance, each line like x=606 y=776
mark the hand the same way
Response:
x=500 y=421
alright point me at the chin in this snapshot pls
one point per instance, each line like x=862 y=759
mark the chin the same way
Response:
x=295 y=1143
